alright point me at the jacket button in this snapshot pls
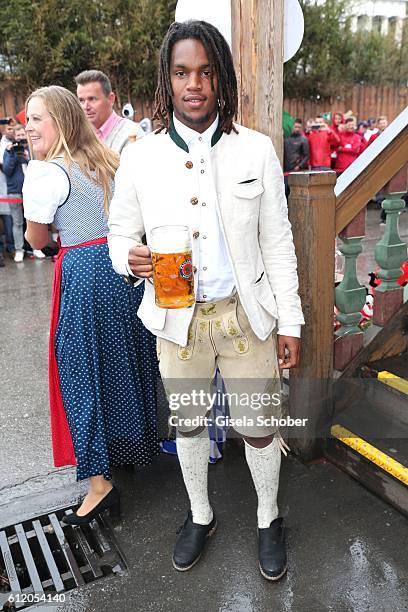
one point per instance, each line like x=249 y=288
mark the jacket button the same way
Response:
x=189 y=165
x=196 y=234
x=194 y=201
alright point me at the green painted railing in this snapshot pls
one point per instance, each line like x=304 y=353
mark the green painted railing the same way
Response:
x=349 y=294
x=390 y=251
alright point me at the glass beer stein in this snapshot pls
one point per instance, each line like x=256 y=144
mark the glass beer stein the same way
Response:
x=173 y=275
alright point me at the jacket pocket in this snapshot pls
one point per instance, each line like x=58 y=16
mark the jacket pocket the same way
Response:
x=248 y=191
x=264 y=296
x=151 y=315
x=247 y=181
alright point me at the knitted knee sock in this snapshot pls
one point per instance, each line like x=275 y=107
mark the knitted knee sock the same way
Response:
x=193 y=454
x=264 y=465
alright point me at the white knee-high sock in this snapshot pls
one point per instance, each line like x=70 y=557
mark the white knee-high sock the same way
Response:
x=193 y=454
x=264 y=465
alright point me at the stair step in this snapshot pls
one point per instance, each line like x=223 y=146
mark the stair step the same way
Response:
x=370 y=408
x=396 y=382
x=369 y=440
x=383 y=474
x=370 y=452
x=398 y=365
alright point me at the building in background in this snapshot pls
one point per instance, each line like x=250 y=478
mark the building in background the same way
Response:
x=384 y=16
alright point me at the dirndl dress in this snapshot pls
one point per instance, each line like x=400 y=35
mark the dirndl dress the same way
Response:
x=106 y=358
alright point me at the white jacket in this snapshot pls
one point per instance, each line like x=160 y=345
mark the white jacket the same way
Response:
x=118 y=138
x=154 y=186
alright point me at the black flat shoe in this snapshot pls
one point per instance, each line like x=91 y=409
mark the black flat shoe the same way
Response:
x=272 y=550
x=191 y=543
x=111 y=502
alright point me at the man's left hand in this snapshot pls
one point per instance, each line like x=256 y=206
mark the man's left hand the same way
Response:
x=288 y=352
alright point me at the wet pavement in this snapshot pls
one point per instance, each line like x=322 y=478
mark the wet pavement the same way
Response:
x=347 y=548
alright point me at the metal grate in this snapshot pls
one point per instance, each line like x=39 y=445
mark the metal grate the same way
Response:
x=43 y=556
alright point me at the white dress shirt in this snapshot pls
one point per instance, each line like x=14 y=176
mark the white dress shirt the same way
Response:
x=215 y=276
x=370 y=133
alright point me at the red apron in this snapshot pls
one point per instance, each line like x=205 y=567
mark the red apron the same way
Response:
x=63 y=449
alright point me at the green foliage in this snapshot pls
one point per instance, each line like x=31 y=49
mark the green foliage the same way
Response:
x=324 y=55
x=50 y=41
x=331 y=54
x=378 y=59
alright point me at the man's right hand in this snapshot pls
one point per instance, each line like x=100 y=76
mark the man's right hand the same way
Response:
x=140 y=261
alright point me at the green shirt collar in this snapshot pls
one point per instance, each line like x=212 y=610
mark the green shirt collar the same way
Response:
x=177 y=139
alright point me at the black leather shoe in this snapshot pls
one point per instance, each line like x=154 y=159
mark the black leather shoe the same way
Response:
x=191 y=542
x=272 y=550
x=111 y=502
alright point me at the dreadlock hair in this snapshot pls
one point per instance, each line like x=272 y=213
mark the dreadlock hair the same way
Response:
x=221 y=64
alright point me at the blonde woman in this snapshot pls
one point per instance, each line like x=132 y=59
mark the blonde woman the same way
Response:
x=102 y=365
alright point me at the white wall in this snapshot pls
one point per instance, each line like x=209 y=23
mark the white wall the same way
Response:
x=379 y=15
x=385 y=8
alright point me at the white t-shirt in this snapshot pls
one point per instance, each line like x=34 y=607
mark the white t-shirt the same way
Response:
x=369 y=133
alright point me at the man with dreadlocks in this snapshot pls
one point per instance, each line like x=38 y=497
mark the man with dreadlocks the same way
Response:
x=224 y=181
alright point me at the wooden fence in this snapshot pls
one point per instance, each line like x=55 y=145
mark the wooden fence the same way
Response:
x=11 y=101
x=364 y=100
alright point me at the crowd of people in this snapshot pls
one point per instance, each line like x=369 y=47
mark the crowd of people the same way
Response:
x=14 y=157
x=97 y=100
x=332 y=144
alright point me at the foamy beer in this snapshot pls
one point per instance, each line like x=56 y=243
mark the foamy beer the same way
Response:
x=173 y=276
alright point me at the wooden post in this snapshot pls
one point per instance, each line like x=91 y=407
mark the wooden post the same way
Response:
x=257 y=47
x=312 y=208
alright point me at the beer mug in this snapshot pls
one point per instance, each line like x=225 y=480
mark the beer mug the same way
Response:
x=173 y=275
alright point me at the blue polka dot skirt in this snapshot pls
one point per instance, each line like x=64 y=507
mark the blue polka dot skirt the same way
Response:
x=107 y=365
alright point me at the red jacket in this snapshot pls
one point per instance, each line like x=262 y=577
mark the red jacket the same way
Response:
x=351 y=145
x=319 y=144
x=335 y=128
x=372 y=138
